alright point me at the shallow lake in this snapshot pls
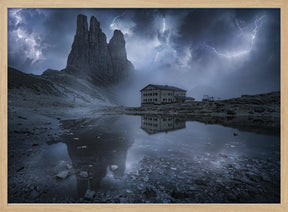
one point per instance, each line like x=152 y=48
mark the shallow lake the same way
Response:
x=115 y=158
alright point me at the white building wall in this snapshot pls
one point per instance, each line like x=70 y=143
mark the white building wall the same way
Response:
x=152 y=95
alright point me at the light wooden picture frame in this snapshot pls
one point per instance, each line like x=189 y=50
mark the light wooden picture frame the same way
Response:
x=5 y=4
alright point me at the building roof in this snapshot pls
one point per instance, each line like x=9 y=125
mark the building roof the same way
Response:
x=164 y=87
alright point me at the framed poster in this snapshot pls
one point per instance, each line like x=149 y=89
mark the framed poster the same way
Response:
x=143 y=105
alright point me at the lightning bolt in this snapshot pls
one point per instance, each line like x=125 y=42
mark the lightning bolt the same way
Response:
x=230 y=54
x=156 y=57
x=112 y=25
x=15 y=14
x=252 y=38
x=22 y=37
x=157 y=42
x=164 y=25
x=238 y=25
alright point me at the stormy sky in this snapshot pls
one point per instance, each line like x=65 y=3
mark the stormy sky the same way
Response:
x=220 y=52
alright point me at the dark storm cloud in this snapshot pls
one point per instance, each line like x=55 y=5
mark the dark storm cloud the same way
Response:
x=144 y=21
x=221 y=52
x=212 y=38
x=49 y=32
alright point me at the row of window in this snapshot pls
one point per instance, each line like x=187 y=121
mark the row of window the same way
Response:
x=154 y=119
x=155 y=125
x=169 y=94
x=150 y=94
x=167 y=119
x=150 y=100
x=150 y=124
x=155 y=100
x=167 y=100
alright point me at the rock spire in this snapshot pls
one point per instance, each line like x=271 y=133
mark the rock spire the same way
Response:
x=92 y=58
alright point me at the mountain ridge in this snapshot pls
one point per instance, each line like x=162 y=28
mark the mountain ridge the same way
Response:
x=94 y=69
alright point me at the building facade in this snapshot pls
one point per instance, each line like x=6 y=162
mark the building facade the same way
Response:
x=162 y=94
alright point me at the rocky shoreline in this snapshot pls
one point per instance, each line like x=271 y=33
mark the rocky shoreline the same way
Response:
x=165 y=180
x=185 y=181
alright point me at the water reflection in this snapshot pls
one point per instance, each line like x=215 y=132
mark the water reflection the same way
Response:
x=94 y=147
x=131 y=148
x=155 y=124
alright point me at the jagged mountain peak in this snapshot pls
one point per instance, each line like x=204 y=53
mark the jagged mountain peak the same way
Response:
x=117 y=46
x=94 y=24
x=82 y=25
x=92 y=58
x=118 y=33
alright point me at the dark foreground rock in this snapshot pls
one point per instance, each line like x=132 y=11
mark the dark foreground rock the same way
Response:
x=182 y=181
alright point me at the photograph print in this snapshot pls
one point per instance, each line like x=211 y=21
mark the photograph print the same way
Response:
x=143 y=105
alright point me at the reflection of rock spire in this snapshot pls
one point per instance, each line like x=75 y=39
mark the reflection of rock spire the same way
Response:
x=118 y=160
x=105 y=143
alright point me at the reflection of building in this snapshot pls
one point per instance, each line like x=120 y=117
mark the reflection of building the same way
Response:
x=162 y=94
x=208 y=98
x=155 y=124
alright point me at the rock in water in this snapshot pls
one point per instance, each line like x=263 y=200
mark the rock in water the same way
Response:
x=93 y=59
x=89 y=195
x=84 y=174
x=62 y=174
x=114 y=167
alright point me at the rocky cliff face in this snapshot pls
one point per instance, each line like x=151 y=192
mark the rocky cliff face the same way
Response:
x=120 y=64
x=92 y=58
